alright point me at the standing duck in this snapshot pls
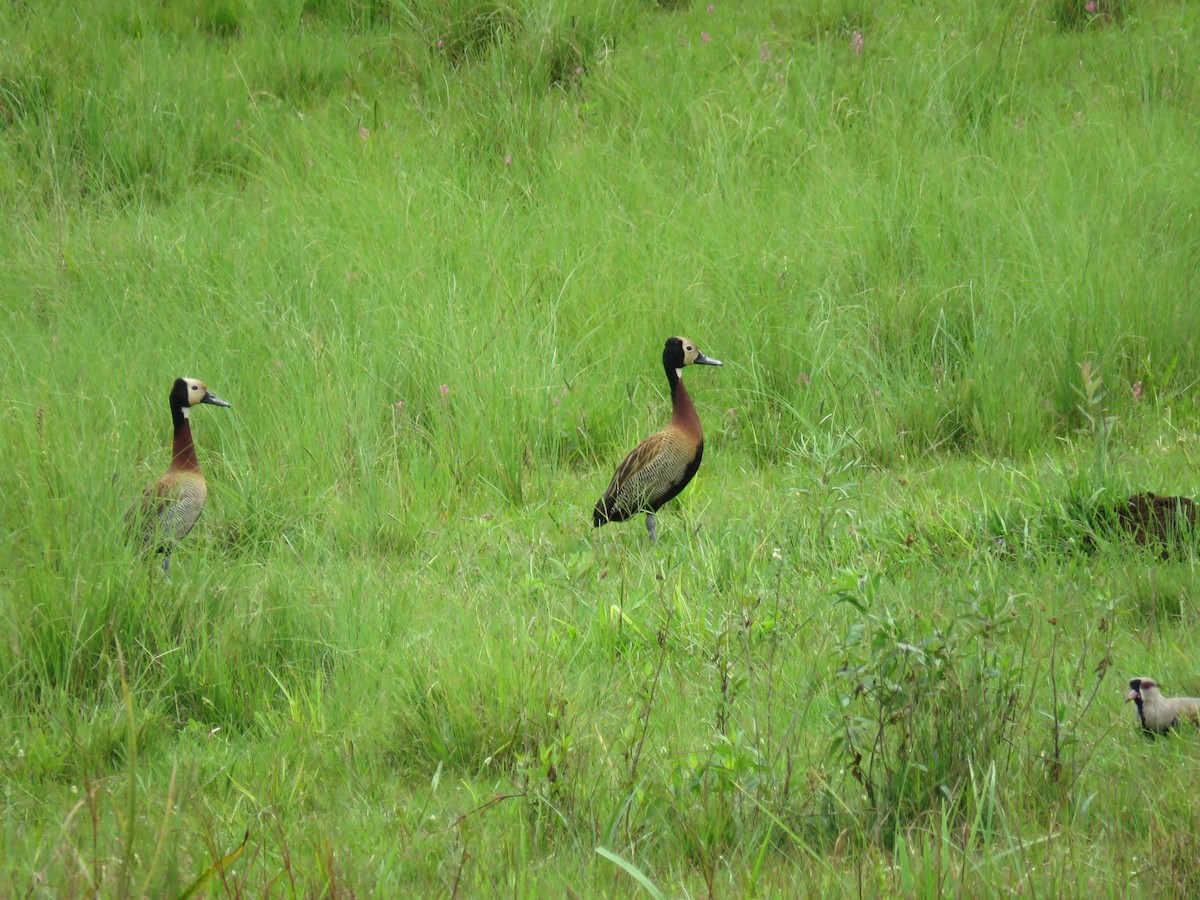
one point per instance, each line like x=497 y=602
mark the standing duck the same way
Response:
x=171 y=506
x=660 y=466
x=1156 y=713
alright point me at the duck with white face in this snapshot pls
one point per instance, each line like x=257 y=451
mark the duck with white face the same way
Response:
x=661 y=466
x=172 y=504
x=1158 y=714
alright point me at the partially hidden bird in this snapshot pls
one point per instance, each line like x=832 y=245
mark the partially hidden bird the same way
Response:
x=172 y=504
x=662 y=465
x=1158 y=714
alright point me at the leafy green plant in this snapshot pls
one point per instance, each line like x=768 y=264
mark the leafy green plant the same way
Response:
x=928 y=702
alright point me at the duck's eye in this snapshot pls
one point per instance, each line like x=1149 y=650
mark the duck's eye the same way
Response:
x=690 y=348
x=194 y=388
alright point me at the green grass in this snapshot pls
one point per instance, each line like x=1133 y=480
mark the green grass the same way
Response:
x=430 y=253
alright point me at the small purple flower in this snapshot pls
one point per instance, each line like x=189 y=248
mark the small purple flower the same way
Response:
x=444 y=390
x=398 y=406
x=711 y=7
x=803 y=378
x=1090 y=6
x=440 y=45
x=763 y=53
x=1137 y=390
x=508 y=160
x=705 y=36
x=856 y=42
x=364 y=134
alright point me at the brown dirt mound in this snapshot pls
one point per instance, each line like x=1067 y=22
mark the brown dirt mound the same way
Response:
x=1152 y=519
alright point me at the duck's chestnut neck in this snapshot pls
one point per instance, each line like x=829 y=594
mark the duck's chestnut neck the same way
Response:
x=183 y=450
x=683 y=412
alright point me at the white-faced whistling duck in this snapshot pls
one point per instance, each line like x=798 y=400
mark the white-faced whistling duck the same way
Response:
x=171 y=506
x=660 y=466
x=1158 y=714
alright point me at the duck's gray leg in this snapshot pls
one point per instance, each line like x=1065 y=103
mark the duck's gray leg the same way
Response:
x=650 y=527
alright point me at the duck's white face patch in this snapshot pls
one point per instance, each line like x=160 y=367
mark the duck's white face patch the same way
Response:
x=679 y=373
x=196 y=391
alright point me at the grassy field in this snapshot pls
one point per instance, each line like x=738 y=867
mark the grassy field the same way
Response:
x=430 y=251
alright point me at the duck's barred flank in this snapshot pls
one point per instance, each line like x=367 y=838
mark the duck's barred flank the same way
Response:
x=657 y=469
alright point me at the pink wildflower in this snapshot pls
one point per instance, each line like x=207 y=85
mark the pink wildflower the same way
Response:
x=398 y=406
x=444 y=390
x=508 y=160
x=364 y=134
x=1137 y=390
x=1090 y=6
x=803 y=378
x=711 y=7
x=856 y=42
x=705 y=36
